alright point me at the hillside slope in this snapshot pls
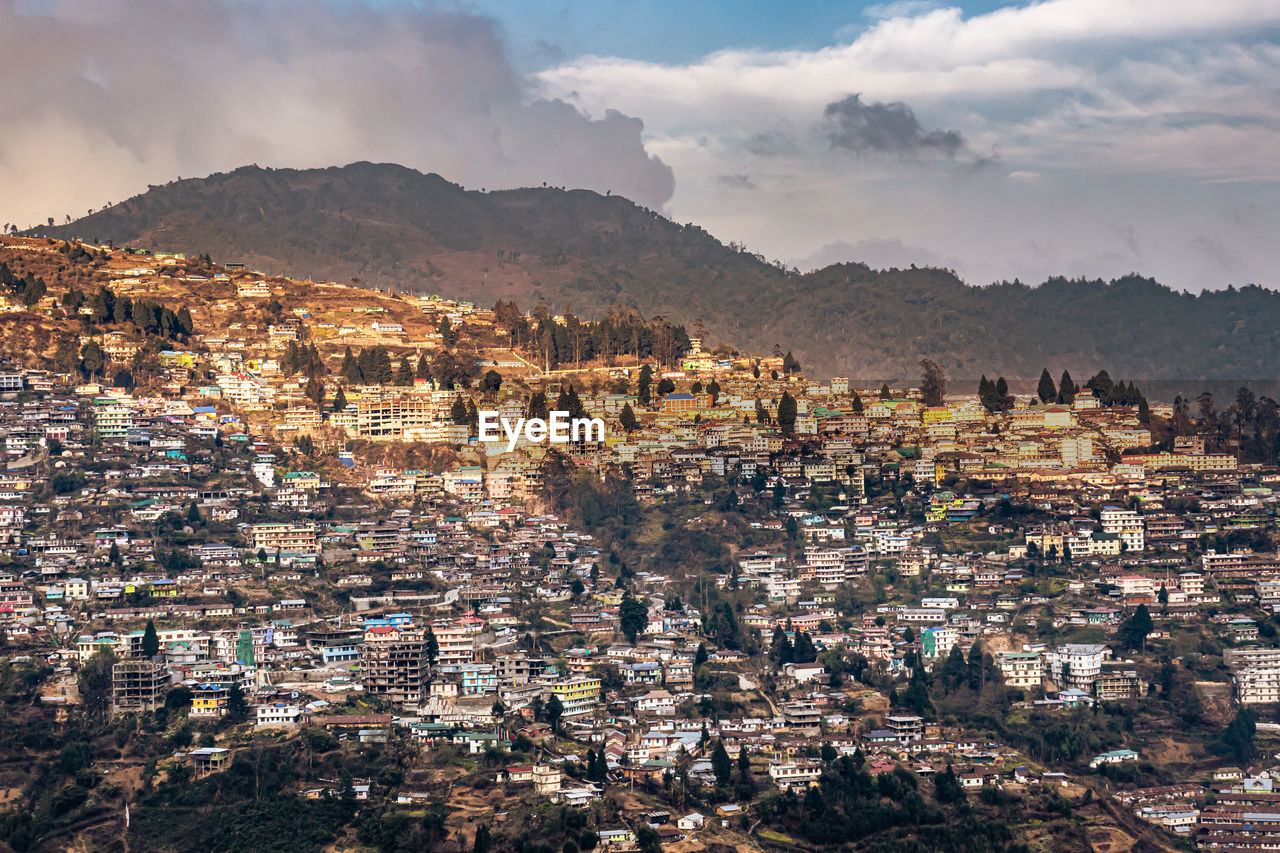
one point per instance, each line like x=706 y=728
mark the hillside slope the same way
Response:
x=384 y=225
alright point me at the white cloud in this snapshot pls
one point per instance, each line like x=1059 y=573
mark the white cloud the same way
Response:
x=1080 y=98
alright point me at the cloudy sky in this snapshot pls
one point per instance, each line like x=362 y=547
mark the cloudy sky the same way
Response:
x=1076 y=137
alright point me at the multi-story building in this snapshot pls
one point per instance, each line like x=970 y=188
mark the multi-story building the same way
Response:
x=138 y=684
x=113 y=420
x=394 y=664
x=209 y=700
x=1112 y=686
x=1125 y=523
x=1021 y=670
x=298 y=537
x=1258 y=685
x=936 y=642
x=455 y=645
x=1076 y=664
x=787 y=776
x=577 y=695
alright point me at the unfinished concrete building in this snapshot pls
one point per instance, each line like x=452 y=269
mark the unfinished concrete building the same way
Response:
x=138 y=684
x=394 y=665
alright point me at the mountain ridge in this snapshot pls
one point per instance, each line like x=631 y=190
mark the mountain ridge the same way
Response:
x=385 y=225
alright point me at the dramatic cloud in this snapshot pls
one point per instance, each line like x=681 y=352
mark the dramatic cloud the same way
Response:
x=888 y=128
x=1161 y=115
x=102 y=97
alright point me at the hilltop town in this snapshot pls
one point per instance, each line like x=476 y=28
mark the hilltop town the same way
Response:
x=253 y=554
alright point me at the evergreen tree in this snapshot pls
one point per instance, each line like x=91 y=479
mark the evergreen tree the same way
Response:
x=885 y=393
x=627 y=419
x=643 y=386
x=721 y=766
x=433 y=647
x=350 y=369
x=538 y=406
x=1003 y=398
x=423 y=370
x=1239 y=735
x=1066 y=389
x=458 y=411
x=555 y=710
x=315 y=392
x=1134 y=630
x=340 y=400
x=632 y=616
x=1046 y=390
x=787 y=414
x=404 y=376
x=150 y=640
x=857 y=403
x=483 y=842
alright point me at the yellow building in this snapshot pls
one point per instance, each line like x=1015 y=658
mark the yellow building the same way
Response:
x=578 y=695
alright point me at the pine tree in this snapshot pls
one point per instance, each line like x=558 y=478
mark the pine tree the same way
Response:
x=150 y=640
x=423 y=370
x=458 y=411
x=643 y=385
x=340 y=400
x=721 y=766
x=1046 y=390
x=627 y=418
x=350 y=369
x=404 y=376
x=483 y=842
x=433 y=647
x=315 y=392
x=787 y=414
x=1066 y=389
x=1003 y=399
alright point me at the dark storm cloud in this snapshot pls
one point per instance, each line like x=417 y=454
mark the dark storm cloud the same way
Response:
x=105 y=96
x=885 y=128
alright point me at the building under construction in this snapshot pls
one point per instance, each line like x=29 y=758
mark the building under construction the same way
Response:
x=138 y=684
x=394 y=665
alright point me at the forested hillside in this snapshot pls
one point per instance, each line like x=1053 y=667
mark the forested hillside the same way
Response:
x=387 y=226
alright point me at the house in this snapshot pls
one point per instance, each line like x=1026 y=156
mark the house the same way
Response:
x=658 y=702
x=787 y=776
x=1115 y=756
x=617 y=838
x=691 y=822
x=209 y=759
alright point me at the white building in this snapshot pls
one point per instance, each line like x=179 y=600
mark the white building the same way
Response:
x=1082 y=662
